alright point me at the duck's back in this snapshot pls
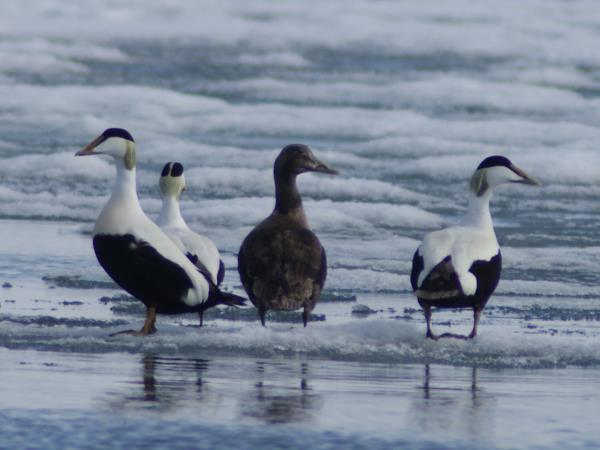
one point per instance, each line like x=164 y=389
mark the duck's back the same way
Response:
x=456 y=267
x=141 y=259
x=142 y=271
x=282 y=266
x=199 y=249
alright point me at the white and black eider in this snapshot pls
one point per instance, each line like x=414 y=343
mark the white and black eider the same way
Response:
x=281 y=262
x=136 y=253
x=459 y=267
x=199 y=249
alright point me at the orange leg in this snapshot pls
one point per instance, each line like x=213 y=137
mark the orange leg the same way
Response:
x=149 y=324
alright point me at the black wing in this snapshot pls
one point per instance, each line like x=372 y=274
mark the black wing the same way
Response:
x=417 y=267
x=141 y=270
x=220 y=273
x=442 y=288
x=441 y=283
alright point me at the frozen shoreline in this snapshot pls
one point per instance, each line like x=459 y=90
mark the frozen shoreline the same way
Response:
x=65 y=303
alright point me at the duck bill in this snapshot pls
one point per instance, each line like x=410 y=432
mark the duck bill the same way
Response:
x=525 y=179
x=322 y=168
x=89 y=149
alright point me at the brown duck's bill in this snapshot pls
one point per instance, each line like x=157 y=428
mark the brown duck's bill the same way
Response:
x=89 y=149
x=526 y=179
x=322 y=168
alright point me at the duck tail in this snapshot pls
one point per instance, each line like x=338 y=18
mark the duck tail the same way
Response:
x=229 y=299
x=218 y=297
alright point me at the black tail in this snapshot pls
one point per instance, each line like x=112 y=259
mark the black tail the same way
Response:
x=218 y=297
x=229 y=299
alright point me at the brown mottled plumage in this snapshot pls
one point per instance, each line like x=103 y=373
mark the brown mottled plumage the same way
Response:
x=281 y=262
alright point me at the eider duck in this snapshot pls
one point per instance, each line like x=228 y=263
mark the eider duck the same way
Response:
x=199 y=249
x=459 y=267
x=136 y=253
x=281 y=262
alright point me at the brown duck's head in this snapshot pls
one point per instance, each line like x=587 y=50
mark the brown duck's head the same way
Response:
x=295 y=159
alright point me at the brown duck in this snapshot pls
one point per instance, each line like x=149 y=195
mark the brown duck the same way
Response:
x=281 y=262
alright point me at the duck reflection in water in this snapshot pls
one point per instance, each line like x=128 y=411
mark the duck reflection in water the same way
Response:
x=452 y=401
x=166 y=384
x=281 y=404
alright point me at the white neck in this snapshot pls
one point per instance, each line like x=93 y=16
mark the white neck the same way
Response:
x=124 y=190
x=170 y=214
x=123 y=203
x=478 y=213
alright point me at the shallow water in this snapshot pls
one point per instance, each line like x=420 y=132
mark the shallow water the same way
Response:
x=153 y=400
x=405 y=99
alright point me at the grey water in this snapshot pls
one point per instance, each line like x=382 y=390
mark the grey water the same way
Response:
x=173 y=402
x=404 y=99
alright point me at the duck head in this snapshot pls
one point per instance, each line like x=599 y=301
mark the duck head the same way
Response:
x=172 y=180
x=496 y=170
x=116 y=142
x=295 y=159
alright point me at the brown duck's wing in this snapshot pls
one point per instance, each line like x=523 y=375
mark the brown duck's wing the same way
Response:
x=245 y=274
x=275 y=261
x=303 y=254
x=319 y=281
x=322 y=270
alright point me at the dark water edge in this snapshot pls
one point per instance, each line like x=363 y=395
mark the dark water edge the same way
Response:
x=48 y=430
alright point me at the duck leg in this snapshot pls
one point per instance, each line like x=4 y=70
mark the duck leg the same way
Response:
x=201 y=316
x=149 y=325
x=305 y=315
x=262 y=312
x=427 y=312
x=476 y=317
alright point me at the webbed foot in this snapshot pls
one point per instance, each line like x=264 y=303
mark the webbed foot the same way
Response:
x=140 y=333
x=431 y=336
x=454 y=336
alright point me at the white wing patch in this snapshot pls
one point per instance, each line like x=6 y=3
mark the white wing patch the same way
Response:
x=197 y=245
x=464 y=245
